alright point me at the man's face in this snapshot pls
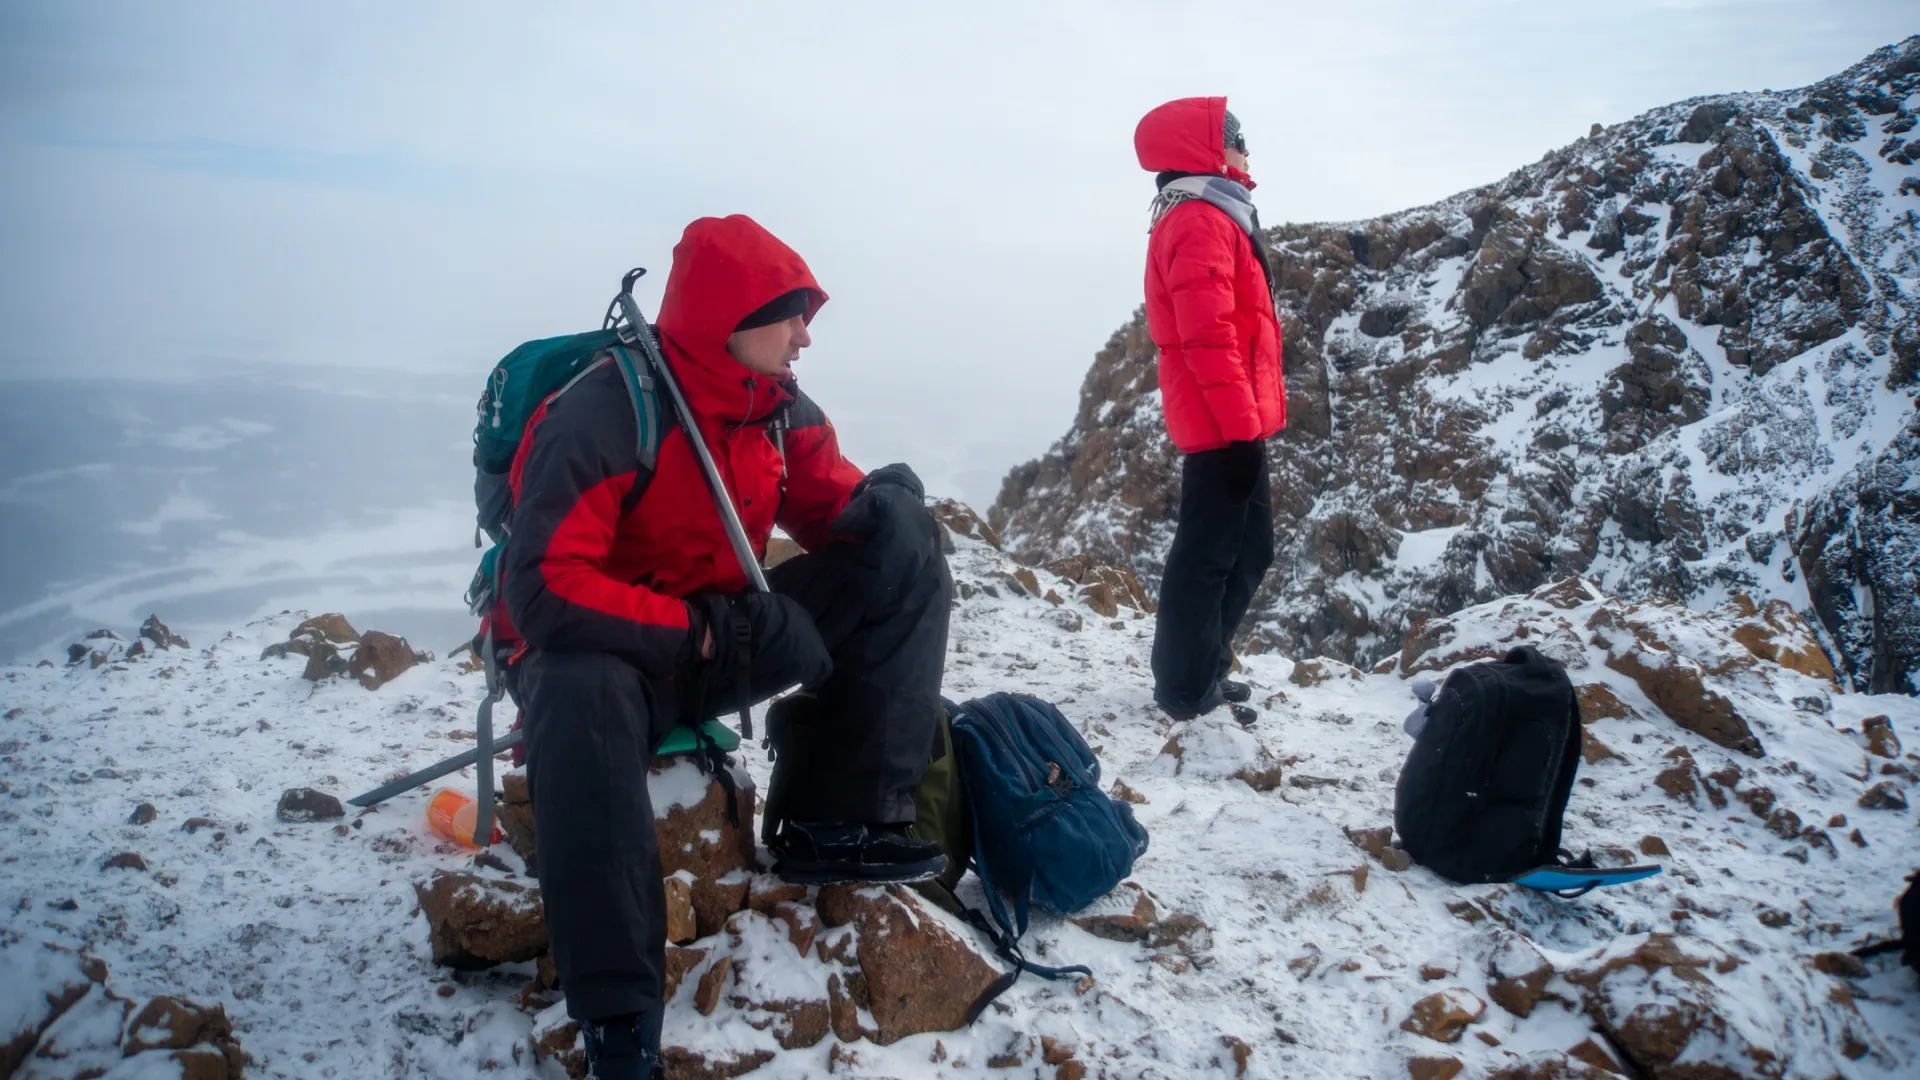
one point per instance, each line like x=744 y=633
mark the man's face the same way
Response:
x=771 y=350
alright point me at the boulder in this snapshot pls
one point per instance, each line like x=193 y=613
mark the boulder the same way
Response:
x=85 y=1040
x=696 y=836
x=1674 y=684
x=332 y=627
x=1434 y=1068
x=126 y=860
x=960 y=520
x=475 y=922
x=44 y=982
x=1517 y=975
x=323 y=661
x=1125 y=914
x=143 y=814
x=679 y=894
x=920 y=975
x=1881 y=741
x=1885 y=795
x=1444 y=1016
x=1322 y=669
x=308 y=804
x=514 y=812
x=199 y=1038
x=156 y=632
x=1775 y=633
x=380 y=658
x=1599 y=702
x=1657 y=999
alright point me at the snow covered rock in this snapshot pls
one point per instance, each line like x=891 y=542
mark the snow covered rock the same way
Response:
x=477 y=921
x=918 y=972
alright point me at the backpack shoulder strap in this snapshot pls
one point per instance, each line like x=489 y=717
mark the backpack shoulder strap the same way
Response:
x=649 y=432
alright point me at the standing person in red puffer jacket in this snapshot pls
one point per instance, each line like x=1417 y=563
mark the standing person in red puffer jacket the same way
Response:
x=1210 y=309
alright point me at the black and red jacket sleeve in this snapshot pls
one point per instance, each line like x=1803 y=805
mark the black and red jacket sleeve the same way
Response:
x=819 y=480
x=573 y=479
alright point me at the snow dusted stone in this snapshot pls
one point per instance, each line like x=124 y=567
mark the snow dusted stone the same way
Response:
x=1321 y=670
x=1885 y=795
x=697 y=837
x=1125 y=914
x=679 y=893
x=332 y=627
x=476 y=922
x=1444 y=1016
x=380 y=658
x=1774 y=633
x=1880 y=739
x=156 y=632
x=920 y=974
x=308 y=804
x=205 y=1033
x=1681 y=1008
x=961 y=521
x=1213 y=747
x=1517 y=975
x=42 y=983
x=84 y=1041
x=768 y=989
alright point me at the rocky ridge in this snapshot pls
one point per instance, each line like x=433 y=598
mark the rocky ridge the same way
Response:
x=1678 y=357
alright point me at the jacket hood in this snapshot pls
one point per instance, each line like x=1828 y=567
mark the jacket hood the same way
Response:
x=1187 y=135
x=724 y=269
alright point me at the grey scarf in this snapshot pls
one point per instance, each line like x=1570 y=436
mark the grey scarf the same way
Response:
x=1232 y=199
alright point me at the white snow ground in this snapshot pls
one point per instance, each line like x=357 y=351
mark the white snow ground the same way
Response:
x=308 y=934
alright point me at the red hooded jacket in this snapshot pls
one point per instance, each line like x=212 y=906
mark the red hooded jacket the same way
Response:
x=601 y=556
x=1208 y=306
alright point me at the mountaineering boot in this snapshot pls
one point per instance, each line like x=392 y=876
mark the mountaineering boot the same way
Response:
x=832 y=852
x=623 y=1047
x=1235 y=691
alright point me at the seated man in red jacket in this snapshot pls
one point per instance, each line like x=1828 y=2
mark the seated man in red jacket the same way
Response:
x=637 y=616
x=1210 y=310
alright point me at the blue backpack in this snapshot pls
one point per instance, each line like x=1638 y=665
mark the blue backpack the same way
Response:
x=1043 y=831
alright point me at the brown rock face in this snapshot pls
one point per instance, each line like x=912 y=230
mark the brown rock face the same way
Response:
x=514 y=812
x=1320 y=670
x=1775 y=633
x=156 y=632
x=721 y=869
x=68 y=977
x=1444 y=1016
x=1134 y=924
x=1674 y=684
x=1657 y=1001
x=1881 y=741
x=1599 y=702
x=1434 y=1068
x=332 y=627
x=1106 y=589
x=680 y=923
x=919 y=975
x=1517 y=977
x=1885 y=795
x=960 y=520
x=380 y=658
x=475 y=922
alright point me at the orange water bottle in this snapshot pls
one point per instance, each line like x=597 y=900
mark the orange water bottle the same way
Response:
x=450 y=815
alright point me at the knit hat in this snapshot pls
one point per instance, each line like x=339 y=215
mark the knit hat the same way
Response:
x=1233 y=136
x=780 y=308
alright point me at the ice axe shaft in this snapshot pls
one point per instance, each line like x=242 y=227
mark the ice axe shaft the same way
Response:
x=434 y=772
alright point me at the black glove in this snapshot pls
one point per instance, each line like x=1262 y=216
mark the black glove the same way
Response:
x=889 y=521
x=1240 y=464
x=781 y=635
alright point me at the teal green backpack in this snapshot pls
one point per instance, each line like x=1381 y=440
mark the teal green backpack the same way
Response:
x=515 y=389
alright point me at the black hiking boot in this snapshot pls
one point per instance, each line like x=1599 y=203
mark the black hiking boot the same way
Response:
x=1236 y=692
x=836 y=852
x=617 y=1049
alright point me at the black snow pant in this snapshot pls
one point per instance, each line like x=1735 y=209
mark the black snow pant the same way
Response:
x=1221 y=549
x=592 y=722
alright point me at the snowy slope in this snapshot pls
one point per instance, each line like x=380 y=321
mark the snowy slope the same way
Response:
x=1679 y=356
x=1311 y=954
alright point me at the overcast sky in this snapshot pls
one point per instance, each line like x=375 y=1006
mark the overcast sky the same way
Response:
x=420 y=187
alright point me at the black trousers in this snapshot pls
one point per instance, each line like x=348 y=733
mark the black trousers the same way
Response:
x=592 y=722
x=1221 y=550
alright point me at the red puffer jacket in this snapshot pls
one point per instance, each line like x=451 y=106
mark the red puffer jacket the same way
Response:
x=1208 y=306
x=601 y=556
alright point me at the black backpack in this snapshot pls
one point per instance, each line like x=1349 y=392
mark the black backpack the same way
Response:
x=1482 y=792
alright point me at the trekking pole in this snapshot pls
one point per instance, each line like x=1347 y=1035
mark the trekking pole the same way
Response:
x=634 y=331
